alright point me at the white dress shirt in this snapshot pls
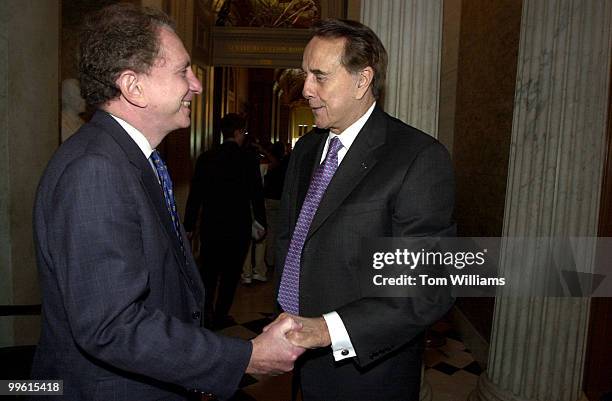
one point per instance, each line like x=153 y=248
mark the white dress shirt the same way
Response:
x=140 y=139
x=341 y=344
x=136 y=136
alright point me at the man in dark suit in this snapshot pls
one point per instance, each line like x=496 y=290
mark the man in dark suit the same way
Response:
x=226 y=186
x=122 y=300
x=369 y=175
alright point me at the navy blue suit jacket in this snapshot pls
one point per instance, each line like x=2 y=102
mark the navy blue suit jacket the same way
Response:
x=122 y=307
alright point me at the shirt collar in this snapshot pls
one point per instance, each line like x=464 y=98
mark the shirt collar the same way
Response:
x=136 y=136
x=347 y=137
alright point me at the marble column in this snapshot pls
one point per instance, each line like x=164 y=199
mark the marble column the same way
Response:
x=556 y=162
x=411 y=31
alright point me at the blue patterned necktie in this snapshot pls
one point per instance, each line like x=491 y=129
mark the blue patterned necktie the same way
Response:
x=288 y=292
x=166 y=183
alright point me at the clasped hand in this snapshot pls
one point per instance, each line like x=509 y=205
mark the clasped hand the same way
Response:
x=284 y=340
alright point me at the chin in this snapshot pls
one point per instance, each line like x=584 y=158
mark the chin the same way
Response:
x=321 y=124
x=184 y=123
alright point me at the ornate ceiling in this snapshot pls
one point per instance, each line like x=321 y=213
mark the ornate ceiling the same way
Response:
x=267 y=13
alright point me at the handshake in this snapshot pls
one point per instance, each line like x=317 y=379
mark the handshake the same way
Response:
x=284 y=340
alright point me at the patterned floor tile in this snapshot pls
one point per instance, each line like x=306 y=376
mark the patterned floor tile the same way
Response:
x=445 y=368
x=459 y=359
x=473 y=368
x=452 y=345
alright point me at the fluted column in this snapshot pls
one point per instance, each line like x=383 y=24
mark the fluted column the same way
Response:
x=554 y=180
x=411 y=31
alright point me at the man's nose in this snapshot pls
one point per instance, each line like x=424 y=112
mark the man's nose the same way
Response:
x=194 y=83
x=308 y=90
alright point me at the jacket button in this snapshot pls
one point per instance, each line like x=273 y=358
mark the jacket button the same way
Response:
x=196 y=315
x=344 y=352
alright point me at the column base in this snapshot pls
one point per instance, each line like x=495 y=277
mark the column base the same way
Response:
x=486 y=390
x=426 y=394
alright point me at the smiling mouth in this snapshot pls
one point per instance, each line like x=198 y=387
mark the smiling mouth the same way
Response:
x=186 y=103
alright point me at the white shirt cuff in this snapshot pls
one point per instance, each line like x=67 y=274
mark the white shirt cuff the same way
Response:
x=340 y=340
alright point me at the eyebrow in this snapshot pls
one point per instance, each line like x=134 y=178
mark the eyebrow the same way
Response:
x=316 y=72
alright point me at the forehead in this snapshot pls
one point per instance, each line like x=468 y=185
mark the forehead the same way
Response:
x=171 y=48
x=322 y=52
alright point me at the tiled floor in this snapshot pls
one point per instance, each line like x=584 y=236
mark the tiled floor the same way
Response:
x=450 y=369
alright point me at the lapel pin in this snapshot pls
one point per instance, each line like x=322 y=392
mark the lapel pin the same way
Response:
x=364 y=165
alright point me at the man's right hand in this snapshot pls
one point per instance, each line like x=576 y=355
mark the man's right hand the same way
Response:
x=272 y=351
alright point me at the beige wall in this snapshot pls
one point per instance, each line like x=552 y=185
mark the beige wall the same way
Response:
x=29 y=133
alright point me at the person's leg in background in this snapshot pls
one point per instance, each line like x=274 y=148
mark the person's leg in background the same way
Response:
x=247 y=268
x=260 y=269
x=234 y=252
x=272 y=206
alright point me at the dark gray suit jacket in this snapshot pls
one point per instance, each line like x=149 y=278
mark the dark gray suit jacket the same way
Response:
x=394 y=181
x=122 y=308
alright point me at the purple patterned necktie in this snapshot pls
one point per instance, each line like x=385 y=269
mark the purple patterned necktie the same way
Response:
x=288 y=292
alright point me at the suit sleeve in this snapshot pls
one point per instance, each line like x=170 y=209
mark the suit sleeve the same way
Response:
x=423 y=207
x=96 y=229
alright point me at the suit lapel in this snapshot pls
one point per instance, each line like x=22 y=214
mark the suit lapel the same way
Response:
x=358 y=161
x=312 y=157
x=148 y=178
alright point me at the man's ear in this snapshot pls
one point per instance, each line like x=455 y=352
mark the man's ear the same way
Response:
x=364 y=81
x=130 y=85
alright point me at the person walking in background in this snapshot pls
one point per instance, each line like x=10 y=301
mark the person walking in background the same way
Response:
x=262 y=250
x=226 y=186
x=273 y=188
x=254 y=265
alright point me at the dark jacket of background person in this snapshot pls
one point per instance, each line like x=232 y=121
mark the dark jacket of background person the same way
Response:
x=226 y=183
x=275 y=177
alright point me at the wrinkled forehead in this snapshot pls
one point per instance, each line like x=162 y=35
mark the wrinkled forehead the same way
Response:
x=322 y=51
